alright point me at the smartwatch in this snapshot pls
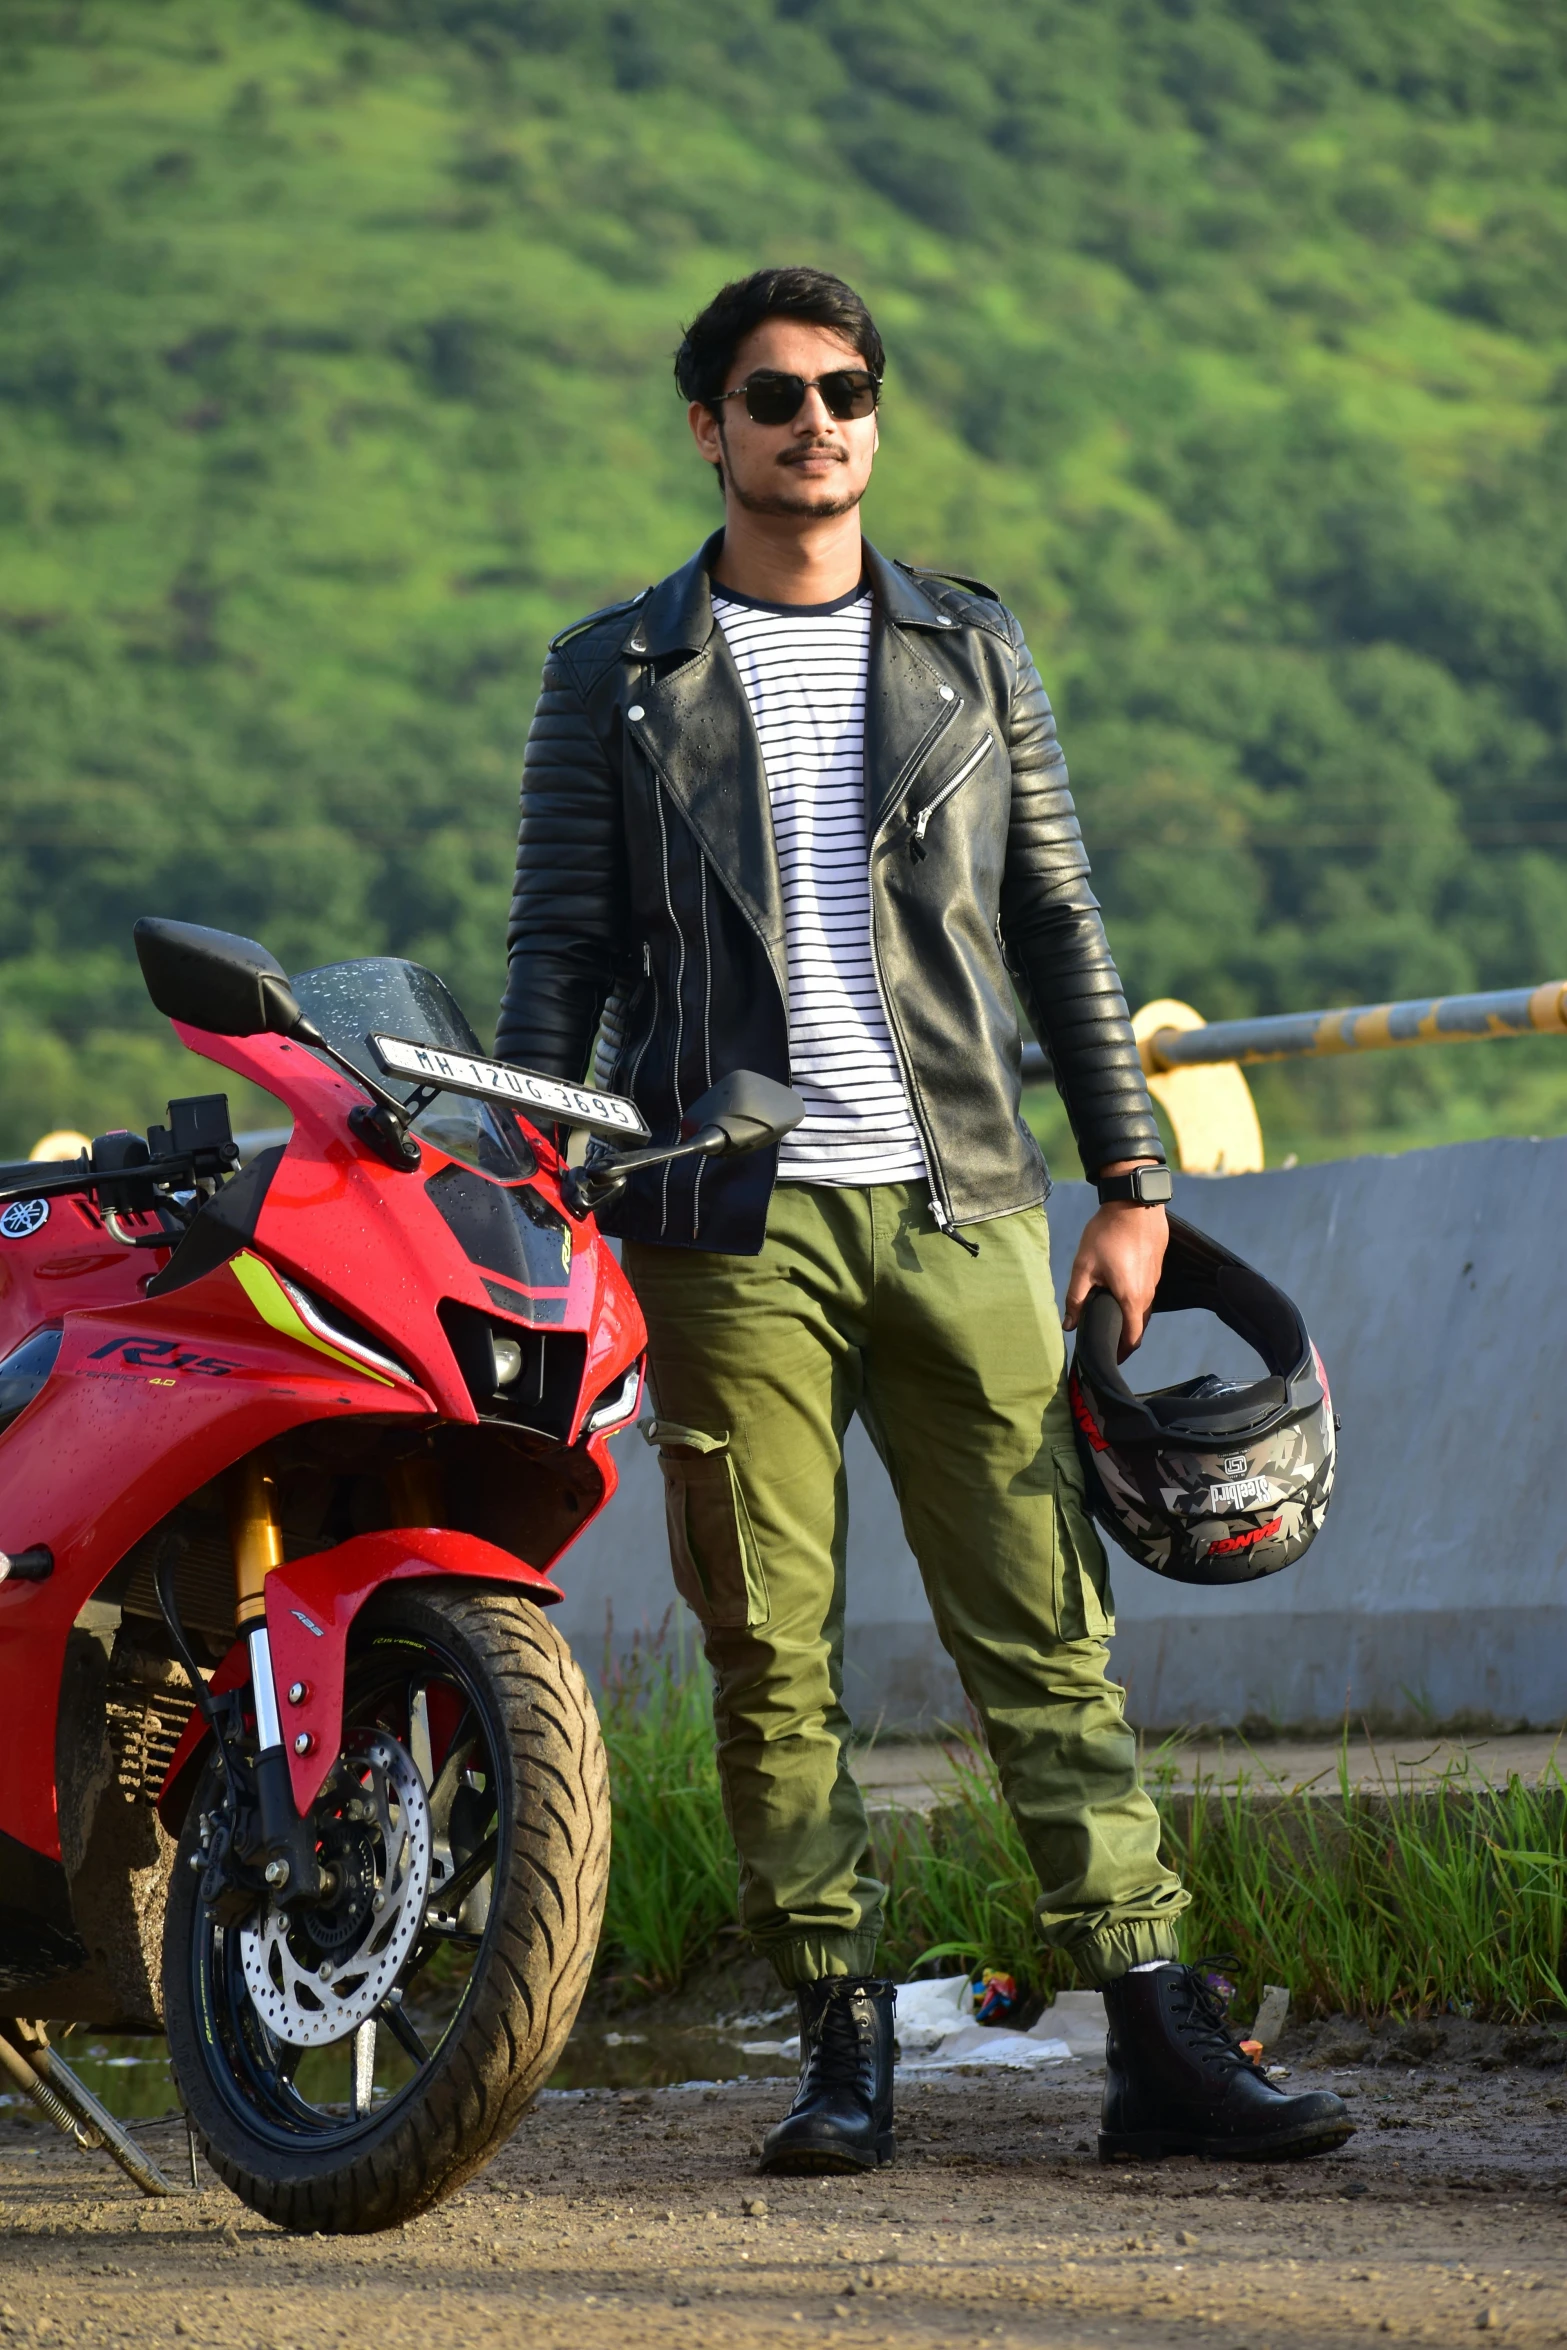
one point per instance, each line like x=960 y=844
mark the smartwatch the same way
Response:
x=1144 y=1187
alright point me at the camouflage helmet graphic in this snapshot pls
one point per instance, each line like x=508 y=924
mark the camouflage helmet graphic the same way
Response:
x=1214 y=1480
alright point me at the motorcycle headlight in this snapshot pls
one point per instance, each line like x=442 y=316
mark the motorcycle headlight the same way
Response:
x=617 y=1404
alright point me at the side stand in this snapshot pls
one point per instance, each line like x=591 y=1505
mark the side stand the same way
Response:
x=26 y=2055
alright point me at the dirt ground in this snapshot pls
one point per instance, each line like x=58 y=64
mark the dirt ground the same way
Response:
x=618 y=2216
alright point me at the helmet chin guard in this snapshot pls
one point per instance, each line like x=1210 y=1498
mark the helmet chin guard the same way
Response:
x=1213 y=1480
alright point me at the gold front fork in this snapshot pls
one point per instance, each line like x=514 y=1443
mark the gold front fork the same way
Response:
x=254 y=1535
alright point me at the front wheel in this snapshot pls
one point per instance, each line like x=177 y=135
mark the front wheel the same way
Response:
x=347 y=2065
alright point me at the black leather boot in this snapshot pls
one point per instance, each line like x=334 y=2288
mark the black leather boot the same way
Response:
x=841 y=2118
x=1177 y=2083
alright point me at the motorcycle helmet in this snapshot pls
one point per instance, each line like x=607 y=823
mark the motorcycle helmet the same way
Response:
x=1214 y=1480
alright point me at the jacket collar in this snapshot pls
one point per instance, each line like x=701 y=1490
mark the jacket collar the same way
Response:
x=898 y=597
x=694 y=723
x=677 y=616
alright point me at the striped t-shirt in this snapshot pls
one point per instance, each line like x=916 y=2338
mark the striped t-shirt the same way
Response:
x=804 y=669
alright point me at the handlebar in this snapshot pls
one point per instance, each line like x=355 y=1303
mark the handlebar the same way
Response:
x=197 y=1146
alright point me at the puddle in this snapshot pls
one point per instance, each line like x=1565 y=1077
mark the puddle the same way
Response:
x=132 y=2076
x=665 y=2056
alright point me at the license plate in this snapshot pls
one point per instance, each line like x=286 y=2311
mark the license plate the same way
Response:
x=546 y=1098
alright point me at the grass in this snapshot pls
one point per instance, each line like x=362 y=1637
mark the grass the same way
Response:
x=1422 y=1899
x=672 y=1876
x=1426 y=1898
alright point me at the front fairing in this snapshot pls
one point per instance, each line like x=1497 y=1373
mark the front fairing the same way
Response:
x=390 y=1249
x=158 y=1389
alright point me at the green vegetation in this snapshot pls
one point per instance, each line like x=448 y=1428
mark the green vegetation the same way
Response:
x=1363 y=1905
x=1228 y=342
x=672 y=1864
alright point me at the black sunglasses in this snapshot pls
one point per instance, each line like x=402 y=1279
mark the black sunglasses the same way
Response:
x=771 y=398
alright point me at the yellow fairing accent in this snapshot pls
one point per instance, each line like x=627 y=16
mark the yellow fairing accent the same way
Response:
x=278 y=1310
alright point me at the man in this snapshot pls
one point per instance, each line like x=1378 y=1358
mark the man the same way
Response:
x=802 y=810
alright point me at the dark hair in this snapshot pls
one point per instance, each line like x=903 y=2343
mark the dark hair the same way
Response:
x=711 y=340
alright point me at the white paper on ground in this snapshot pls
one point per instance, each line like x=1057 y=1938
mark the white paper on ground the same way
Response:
x=928 y=2012
x=1078 y=2018
x=937 y=2032
x=989 y=2044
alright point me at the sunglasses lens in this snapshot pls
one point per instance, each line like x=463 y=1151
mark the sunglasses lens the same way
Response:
x=849 y=392
x=774 y=399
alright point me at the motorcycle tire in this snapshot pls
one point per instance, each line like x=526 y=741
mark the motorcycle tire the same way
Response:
x=527 y=1764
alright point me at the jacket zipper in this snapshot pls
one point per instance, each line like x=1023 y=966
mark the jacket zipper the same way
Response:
x=707 y=1048
x=680 y=1009
x=940 y=1205
x=942 y=1220
x=917 y=848
x=647 y=973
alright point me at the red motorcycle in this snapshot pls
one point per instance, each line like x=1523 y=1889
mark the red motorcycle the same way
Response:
x=286 y=1456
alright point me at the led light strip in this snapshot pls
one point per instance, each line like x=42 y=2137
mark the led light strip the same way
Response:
x=295 y=1314
x=616 y=1409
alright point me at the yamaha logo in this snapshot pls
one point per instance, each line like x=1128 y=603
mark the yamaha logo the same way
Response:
x=23 y=1218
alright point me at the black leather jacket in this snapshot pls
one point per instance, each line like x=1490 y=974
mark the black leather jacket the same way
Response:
x=648 y=912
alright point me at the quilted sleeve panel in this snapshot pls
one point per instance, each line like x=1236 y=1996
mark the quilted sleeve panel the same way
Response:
x=567 y=934
x=1057 y=950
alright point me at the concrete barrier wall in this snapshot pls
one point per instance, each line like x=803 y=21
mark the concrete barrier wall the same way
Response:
x=1435 y=1285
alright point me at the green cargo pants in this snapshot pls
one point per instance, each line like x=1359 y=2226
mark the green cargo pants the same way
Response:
x=955 y=1363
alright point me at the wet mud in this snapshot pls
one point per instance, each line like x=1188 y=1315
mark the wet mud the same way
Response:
x=619 y=2212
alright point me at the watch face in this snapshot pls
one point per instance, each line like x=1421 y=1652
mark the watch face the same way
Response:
x=1145 y=1187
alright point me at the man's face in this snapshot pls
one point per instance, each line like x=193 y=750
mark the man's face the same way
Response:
x=811 y=466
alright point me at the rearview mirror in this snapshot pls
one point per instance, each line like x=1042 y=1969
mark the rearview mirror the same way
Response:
x=214 y=979
x=742 y=1112
x=749 y=1111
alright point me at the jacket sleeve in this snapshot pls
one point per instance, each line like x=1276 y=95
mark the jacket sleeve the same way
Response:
x=1056 y=946
x=568 y=927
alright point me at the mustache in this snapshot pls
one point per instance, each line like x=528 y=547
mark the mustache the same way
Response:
x=813 y=449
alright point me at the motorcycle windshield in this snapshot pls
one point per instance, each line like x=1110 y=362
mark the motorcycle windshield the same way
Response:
x=381 y=993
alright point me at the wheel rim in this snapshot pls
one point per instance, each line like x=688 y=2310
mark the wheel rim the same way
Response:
x=297 y=2066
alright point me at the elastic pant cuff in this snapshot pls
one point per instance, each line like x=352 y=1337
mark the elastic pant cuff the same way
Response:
x=1106 y=1957
x=808 y=1958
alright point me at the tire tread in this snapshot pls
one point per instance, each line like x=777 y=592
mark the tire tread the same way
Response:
x=532 y=1970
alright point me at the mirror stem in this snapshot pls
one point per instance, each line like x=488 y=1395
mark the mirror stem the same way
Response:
x=384 y=1128
x=585 y=1189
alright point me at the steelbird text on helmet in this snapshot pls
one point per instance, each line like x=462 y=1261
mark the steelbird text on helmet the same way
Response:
x=1214 y=1480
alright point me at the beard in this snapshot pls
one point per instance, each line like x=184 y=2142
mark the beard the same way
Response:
x=821 y=501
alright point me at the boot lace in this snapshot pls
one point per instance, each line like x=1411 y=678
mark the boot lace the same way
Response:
x=840 y=2056
x=1206 y=2024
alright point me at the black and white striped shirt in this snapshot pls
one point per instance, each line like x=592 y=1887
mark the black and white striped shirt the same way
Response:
x=804 y=669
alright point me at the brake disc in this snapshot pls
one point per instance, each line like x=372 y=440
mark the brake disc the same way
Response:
x=309 y=2000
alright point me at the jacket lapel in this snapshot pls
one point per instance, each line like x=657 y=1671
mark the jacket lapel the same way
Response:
x=905 y=711
x=698 y=731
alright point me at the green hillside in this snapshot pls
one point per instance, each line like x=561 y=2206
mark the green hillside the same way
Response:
x=1228 y=339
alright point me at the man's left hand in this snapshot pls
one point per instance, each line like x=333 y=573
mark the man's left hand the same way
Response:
x=1122 y=1250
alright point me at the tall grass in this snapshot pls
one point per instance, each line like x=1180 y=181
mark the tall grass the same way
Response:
x=1418 y=1899
x=1410 y=1900
x=672 y=1876
x=959 y=1884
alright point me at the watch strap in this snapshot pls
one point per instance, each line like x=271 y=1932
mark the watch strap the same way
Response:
x=1143 y=1187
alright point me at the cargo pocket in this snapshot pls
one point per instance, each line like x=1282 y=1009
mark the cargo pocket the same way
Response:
x=1085 y=1604
x=718 y=1572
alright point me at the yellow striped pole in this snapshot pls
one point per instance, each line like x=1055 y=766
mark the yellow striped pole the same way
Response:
x=1364 y=1028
